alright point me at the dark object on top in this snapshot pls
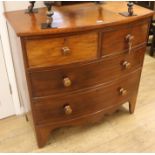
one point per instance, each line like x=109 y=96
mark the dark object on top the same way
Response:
x=50 y=12
x=149 y=5
x=130 y=10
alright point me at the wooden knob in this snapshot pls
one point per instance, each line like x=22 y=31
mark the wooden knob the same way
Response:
x=65 y=51
x=126 y=64
x=67 y=82
x=68 y=109
x=129 y=38
x=122 y=91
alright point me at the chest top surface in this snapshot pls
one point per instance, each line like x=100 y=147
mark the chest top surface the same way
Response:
x=74 y=18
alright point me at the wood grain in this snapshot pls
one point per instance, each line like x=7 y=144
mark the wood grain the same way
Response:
x=74 y=19
x=111 y=45
x=50 y=82
x=88 y=102
x=44 y=52
x=98 y=78
x=119 y=132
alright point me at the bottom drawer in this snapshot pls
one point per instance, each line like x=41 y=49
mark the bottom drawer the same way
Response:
x=72 y=106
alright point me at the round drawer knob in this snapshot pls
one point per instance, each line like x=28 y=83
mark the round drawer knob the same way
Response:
x=123 y=92
x=67 y=82
x=126 y=64
x=65 y=51
x=68 y=109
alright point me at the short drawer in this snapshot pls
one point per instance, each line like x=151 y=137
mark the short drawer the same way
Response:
x=122 y=39
x=70 y=107
x=45 y=52
x=67 y=79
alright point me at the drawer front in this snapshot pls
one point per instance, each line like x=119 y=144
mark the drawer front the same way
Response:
x=66 y=79
x=123 y=38
x=73 y=106
x=46 y=52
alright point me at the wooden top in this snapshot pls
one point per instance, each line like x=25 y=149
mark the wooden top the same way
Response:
x=74 y=18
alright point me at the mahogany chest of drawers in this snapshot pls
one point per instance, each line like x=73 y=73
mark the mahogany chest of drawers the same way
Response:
x=85 y=68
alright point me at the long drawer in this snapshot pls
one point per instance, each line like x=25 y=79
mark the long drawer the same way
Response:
x=67 y=79
x=120 y=39
x=65 y=108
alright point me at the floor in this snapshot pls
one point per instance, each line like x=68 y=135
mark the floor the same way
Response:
x=120 y=132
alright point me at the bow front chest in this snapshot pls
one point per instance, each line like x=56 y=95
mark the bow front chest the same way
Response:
x=85 y=67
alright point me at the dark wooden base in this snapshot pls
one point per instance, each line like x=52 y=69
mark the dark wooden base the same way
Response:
x=46 y=26
x=43 y=131
x=126 y=14
x=34 y=11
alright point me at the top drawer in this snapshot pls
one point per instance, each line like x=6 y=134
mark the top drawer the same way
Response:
x=121 y=39
x=45 y=52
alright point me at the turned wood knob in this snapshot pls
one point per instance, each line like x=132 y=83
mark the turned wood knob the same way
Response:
x=129 y=38
x=65 y=51
x=67 y=82
x=123 y=91
x=126 y=64
x=68 y=109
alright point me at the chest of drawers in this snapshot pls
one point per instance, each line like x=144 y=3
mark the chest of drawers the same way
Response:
x=82 y=70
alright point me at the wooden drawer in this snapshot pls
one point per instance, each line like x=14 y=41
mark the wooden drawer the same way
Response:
x=77 y=105
x=46 y=52
x=120 y=38
x=69 y=78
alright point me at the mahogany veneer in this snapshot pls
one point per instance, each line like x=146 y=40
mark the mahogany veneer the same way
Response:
x=114 y=39
x=65 y=50
x=82 y=70
x=86 y=102
x=50 y=81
